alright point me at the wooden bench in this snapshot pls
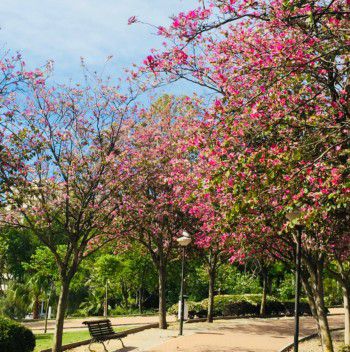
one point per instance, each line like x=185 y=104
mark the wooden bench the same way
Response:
x=101 y=331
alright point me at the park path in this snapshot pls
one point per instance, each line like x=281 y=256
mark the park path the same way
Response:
x=77 y=323
x=238 y=335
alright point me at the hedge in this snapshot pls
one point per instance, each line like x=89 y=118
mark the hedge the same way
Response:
x=15 y=337
x=242 y=305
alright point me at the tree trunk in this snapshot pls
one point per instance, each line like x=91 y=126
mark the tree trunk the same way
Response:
x=162 y=299
x=311 y=300
x=313 y=284
x=326 y=338
x=212 y=269
x=346 y=298
x=343 y=278
x=125 y=294
x=61 y=310
x=36 y=307
x=140 y=298
x=212 y=274
x=264 y=294
x=325 y=333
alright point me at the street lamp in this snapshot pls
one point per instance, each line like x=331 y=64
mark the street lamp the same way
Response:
x=105 y=306
x=183 y=241
x=294 y=216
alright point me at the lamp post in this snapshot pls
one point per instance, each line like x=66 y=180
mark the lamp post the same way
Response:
x=105 y=306
x=294 y=215
x=183 y=241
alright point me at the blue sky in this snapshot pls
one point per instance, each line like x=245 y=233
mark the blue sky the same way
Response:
x=65 y=30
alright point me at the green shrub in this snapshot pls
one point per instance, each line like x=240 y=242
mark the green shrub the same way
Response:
x=304 y=308
x=15 y=337
x=344 y=348
x=242 y=305
x=289 y=308
x=222 y=303
x=82 y=312
x=275 y=307
x=240 y=308
x=118 y=310
x=195 y=309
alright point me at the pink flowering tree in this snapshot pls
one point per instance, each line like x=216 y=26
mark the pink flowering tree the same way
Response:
x=63 y=143
x=13 y=80
x=196 y=199
x=152 y=215
x=205 y=198
x=280 y=120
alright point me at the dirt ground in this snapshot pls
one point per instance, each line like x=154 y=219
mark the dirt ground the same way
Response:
x=314 y=345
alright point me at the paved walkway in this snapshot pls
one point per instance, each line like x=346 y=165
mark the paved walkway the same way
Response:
x=238 y=335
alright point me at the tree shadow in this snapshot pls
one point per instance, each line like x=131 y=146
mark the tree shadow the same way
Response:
x=272 y=328
x=125 y=349
x=208 y=333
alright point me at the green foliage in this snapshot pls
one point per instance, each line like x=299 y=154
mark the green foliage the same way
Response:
x=107 y=267
x=286 y=288
x=16 y=247
x=197 y=279
x=126 y=275
x=332 y=292
x=226 y=304
x=42 y=264
x=344 y=348
x=246 y=283
x=15 y=303
x=88 y=295
x=231 y=280
x=118 y=310
x=130 y=275
x=15 y=337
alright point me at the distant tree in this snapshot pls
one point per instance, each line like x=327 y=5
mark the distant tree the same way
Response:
x=149 y=200
x=18 y=245
x=41 y=276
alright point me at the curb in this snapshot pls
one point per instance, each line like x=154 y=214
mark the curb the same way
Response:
x=87 y=342
x=232 y=317
x=306 y=338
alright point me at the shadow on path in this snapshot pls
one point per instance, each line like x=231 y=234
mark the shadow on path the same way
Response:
x=125 y=349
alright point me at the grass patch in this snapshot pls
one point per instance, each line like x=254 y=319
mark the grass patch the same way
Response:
x=44 y=341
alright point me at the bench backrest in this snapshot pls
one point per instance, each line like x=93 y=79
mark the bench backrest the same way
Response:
x=99 y=328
